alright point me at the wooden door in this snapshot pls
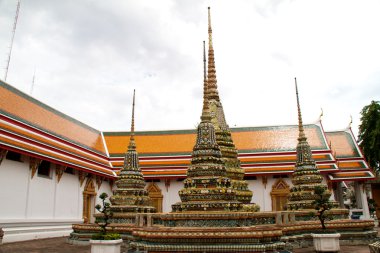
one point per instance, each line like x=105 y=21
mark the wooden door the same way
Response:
x=89 y=194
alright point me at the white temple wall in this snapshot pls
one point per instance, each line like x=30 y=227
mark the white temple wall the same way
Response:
x=258 y=190
x=41 y=200
x=14 y=178
x=170 y=196
x=68 y=200
x=261 y=190
x=37 y=207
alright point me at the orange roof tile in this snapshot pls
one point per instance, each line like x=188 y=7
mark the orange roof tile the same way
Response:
x=30 y=111
x=249 y=139
x=343 y=144
x=32 y=127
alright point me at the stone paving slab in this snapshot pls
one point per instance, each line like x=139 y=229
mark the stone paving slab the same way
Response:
x=343 y=249
x=50 y=245
x=59 y=245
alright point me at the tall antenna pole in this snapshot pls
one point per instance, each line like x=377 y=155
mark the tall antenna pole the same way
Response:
x=13 y=36
x=34 y=76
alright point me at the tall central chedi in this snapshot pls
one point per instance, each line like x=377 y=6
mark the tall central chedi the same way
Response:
x=222 y=130
x=207 y=187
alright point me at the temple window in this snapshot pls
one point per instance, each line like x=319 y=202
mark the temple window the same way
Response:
x=44 y=169
x=13 y=156
x=69 y=170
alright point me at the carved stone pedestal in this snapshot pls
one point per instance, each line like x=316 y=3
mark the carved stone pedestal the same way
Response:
x=326 y=242
x=105 y=246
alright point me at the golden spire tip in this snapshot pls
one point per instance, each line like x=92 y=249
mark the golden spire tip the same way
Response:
x=133 y=114
x=204 y=61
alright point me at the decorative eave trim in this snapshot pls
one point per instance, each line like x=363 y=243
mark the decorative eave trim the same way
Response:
x=48 y=148
x=369 y=176
x=13 y=120
x=111 y=173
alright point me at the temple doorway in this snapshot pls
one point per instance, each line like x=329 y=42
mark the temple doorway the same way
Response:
x=89 y=194
x=279 y=195
x=156 y=196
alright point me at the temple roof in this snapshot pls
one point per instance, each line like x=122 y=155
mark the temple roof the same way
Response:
x=350 y=158
x=31 y=127
x=262 y=150
x=35 y=129
x=246 y=139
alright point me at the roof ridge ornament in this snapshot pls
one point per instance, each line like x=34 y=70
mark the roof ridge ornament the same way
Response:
x=350 y=123
x=320 y=116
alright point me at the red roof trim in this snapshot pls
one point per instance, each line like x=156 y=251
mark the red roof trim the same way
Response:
x=45 y=146
x=38 y=131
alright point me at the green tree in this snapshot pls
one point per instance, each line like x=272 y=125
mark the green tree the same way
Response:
x=369 y=134
x=104 y=220
x=322 y=203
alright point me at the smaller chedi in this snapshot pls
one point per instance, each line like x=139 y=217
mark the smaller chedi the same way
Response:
x=131 y=195
x=306 y=175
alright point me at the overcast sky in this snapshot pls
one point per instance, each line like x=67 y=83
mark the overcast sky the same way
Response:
x=89 y=56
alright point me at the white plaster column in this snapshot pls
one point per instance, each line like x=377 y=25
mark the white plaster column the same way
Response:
x=339 y=194
x=368 y=190
x=53 y=170
x=28 y=190
x=361 y=199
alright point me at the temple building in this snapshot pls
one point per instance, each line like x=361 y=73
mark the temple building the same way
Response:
x=53 y=167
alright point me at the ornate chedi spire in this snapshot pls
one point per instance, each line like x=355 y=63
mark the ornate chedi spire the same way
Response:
x=222 y=131
x=206 y=188
x=130 y=195
x=306 y=175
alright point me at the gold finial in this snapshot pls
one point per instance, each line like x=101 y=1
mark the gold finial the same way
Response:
x=300 y=124
x=205 y=110
x=132 y=144
x=209 y=28
x=211 y=72
x=133 y=114
x=204 y=62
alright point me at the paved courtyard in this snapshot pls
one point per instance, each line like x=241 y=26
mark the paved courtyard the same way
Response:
x=59 y=245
